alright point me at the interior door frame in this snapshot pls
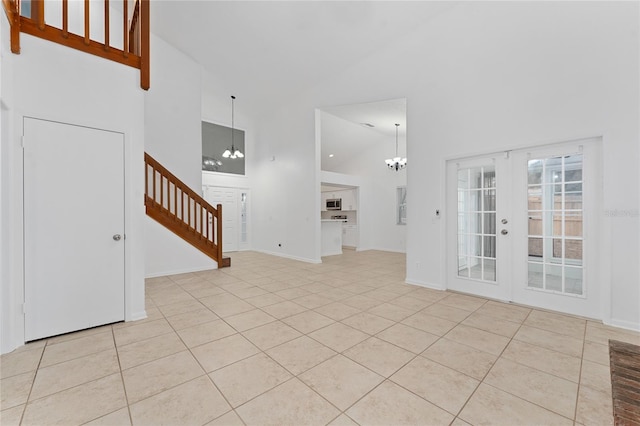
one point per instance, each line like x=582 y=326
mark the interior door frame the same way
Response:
x=602 y=271
x=12 y=316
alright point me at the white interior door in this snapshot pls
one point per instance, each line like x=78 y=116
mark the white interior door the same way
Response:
x=523 y=226
x=73 y=227
x=478 y=226
x=228 y=197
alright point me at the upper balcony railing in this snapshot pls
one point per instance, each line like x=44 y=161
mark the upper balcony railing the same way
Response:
x=117 y=30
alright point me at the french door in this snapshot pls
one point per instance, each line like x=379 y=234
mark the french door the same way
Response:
x=522 y=227
x=478 y=226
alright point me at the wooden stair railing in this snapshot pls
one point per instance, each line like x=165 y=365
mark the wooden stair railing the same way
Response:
x=176 y=206
x=135 y=32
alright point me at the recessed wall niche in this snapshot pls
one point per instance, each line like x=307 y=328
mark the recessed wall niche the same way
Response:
x=215 y=140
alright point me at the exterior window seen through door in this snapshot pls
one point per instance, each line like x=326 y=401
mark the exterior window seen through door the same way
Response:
x=477 y=223
x=555 y=212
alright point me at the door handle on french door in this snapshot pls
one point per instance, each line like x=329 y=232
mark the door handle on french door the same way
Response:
x=504 y=232
x=117 y=237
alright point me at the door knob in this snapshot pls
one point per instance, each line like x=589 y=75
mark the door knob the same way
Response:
x=504 y=232
x=117 y=237
x=504 y=221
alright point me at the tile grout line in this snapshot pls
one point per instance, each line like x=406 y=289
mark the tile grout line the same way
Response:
x=482 y=381
x=579 y=387
x=206 y=374
x=509 y=393
x=33 y=382
x=124 y=387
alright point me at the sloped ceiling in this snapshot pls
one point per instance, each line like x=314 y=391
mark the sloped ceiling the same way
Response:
x=269 y=50
x=342 y=142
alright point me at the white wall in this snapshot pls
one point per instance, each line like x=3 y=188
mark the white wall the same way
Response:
x=377 y=206
x=286 y=209
x=173 y=136
x=216 y=108
x=52 y=82
x=481 y=77
x=184 y=257
x=172 y=112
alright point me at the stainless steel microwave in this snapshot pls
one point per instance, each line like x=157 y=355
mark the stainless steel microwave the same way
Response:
x=334 y=204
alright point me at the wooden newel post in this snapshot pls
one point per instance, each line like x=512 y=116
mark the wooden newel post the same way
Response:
x=219 y=232
x=145 y=42
x=12 y=9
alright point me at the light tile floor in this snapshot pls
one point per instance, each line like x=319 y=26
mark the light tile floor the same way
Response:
x=275 y=341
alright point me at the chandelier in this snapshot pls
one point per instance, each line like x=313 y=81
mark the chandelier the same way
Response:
x=396 y=163
x=232 y=152
x=211 y=164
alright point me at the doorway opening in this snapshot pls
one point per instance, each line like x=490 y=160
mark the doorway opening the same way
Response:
x=352 y=143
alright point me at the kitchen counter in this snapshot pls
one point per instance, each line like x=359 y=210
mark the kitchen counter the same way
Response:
x=331 y=235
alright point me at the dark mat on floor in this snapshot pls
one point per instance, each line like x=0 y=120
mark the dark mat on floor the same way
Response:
x=625 y=382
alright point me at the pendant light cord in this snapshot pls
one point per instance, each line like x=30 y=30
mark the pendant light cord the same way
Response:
x=233 y=98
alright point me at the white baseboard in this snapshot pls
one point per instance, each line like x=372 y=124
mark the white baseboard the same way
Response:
x=181 y=271
x=424 y=284
x=287 y=256
x=380 y=249
x=627 y=325
x=137 y=316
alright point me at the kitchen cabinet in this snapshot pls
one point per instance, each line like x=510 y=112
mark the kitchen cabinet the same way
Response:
x=348 y=196
x=331 y=237
x=349 y=235
x=349 y=201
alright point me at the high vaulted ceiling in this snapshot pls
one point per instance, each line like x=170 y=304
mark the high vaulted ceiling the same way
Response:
x=265 y=50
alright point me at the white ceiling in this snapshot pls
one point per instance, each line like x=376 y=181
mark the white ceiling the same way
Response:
x=334 y=188
x=382 y=115
x=265 y=50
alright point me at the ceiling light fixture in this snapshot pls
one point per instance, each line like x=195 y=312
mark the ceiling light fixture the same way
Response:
x=396 y=163
x=330 y=155
x=210 y=164
x=232 y=152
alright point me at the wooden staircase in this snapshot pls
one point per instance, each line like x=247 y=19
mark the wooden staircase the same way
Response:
x=133 y=28
x=177 y=207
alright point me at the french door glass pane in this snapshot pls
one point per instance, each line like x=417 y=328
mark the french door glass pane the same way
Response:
x=477 y=223
x=535 y=197
x=573 y=224
x=535 y=223
x=489 y=270
x=555 y=219
x=573 y=280
x=490 y=223
x=535 y=275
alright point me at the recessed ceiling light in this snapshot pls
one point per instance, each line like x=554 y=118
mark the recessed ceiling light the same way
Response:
x=330 y=155
x=367 y=125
